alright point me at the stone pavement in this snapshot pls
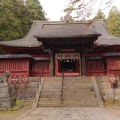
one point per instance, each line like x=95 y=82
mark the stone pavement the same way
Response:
x=69 y=113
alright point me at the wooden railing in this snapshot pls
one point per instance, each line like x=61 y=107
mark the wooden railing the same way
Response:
x=62 y=86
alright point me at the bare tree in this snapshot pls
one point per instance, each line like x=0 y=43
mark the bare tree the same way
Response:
x=85 y=8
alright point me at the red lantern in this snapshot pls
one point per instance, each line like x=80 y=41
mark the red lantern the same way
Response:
x=112 y=79
x=25 y=79
x=14 y=79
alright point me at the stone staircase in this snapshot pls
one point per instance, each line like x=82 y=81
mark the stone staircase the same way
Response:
x=51 y=92
x=77 y=92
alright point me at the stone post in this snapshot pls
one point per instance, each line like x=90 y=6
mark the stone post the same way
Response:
x=7 y=98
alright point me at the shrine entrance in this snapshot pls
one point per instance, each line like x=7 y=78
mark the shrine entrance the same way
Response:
x=70 y=63
x=73 y=38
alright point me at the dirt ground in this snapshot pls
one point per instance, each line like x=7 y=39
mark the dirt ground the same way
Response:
x=115 y=109
x=12 y=115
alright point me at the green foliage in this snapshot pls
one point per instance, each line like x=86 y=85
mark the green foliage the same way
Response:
x=19 y=102
x=35 y=10
x=113 y=21
x=110 y=101
x=100 y=15
x=16 y=17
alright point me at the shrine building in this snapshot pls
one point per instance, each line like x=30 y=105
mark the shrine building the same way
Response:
x=79 y=48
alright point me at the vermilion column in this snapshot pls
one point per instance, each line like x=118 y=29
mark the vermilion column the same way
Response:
x=83 y=62
x=51 y=62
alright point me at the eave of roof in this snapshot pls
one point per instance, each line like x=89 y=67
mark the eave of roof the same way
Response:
x=112 y=54
x=17 y=56
x=105 y=39
x=67 y=36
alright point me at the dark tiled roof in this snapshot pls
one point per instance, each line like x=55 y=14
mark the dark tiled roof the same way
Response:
x=28 y=41
x=112 y=54
x=15 y=56
x=61 y=29
x=66 y=30
x=106 y=38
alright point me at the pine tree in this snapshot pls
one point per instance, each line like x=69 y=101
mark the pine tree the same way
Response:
x=100 y=15
x=113 y=21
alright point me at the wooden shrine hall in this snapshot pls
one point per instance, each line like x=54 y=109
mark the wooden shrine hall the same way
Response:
x=77 y=47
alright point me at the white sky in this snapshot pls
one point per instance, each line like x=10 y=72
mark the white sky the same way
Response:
x=54 y=8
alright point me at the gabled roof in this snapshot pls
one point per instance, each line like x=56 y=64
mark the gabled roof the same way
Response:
x=64 y=29
x=106 y=38
x=28 y=41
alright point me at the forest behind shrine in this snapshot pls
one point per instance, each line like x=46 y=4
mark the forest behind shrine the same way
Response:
x=16 y=17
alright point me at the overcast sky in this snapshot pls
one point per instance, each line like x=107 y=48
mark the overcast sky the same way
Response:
x=54 y=8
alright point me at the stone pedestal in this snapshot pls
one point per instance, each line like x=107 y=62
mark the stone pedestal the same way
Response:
x=7 y=99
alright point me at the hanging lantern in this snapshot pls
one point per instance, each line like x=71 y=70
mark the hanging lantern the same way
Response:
x=67 y=56
x=59 y=57
x=76 y=56
x=71 y=56
x=63 y=55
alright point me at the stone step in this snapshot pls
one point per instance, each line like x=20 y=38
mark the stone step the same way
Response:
x=77 y=81
x=79 y=99
x=53 y=81
x=79 y=93
x=80 y=102
x=78 y=89
x=50 y=93
x=79 y=96
x=77 y=78
x=77 y=84
x=82 y=79
x=53 y=78
x=49 y=105
x=50 y=99
x=52 y=103
x=51 y=89
x=50 y=96
x=79 y=105
x=52 y=86
x=67 y=104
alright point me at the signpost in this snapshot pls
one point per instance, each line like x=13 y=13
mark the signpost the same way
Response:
x=113 y=82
